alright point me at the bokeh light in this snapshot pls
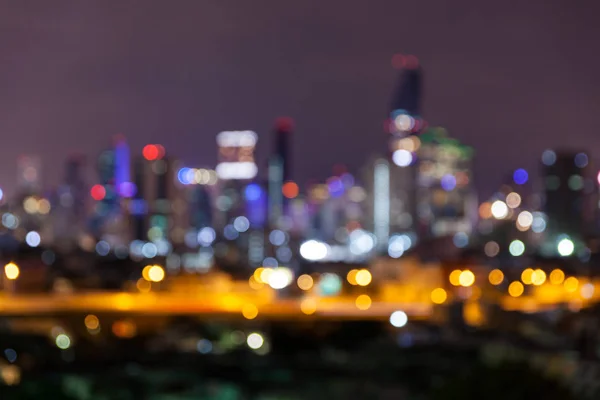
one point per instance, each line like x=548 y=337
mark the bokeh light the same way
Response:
x=557 y=277
x=466 y=278
x=398 y=319
x=513 y=200
x=363 y=277
x=520 y=176
x=571 y=284
x=516 y=289
x=455 y=277
x=499 y=209
x=363 y=302
x=516 y=248
x=438 y=296
x=565 y=247
x=249 y=311
x=255 y=341
x=491 y=249
x=496 y=277
x=526 y=276
x=11 y=271
x=305 y=282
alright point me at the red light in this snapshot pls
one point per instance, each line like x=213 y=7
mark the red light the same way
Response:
x=284 y=124
x=98 y=192
x=290 y=190
x=150 y=152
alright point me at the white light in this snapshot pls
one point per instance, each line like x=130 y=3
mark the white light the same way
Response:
x=404 y=122
x=237 y=139
x=10 y=221
x=499 y=209
x=313 y=250
x=241 y=224
x=149 y=250
x=361 y=242
x=206 y=236
x=280 y=278
x=402 y=158
x=516 y=248
x=255 y=341
x=236 y=170
x=525 y=219
x=398 y=319
x=538 y=224
x=565 y=247
x=33 y=239
x=381 y=204
x=587 y=291
x=396 y=247
x=63 y=341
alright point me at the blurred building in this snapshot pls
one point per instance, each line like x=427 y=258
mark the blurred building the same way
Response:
x=570 y=197
x=28 y=175
x=279 y=170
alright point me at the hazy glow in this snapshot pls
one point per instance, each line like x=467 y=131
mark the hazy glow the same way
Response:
x=280 y=278
x=538 y=277
x=363 y=277
x=305 y=282
x=565 y=247
x=524 y=220
x=398 y=319
x=363 y=302
x=313 y=250
x=499 y=209
x=11 y=270
x=402 y=158
x=236 y=170
x=237 y=139
x=454 y=277
x=249 y=311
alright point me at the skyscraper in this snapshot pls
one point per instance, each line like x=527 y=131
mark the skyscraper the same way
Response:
x=279 y=169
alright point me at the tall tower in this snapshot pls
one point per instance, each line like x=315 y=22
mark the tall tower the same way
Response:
x=279 y=168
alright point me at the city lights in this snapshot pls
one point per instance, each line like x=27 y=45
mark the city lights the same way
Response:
x=363 y=302
x=496 y=277
x=63 y=341
x=455 y=277
x=249 y=311
x=363 y=277
x=516 y=289
x=526 y=276
x=571 y=284
x=520 y=176
x=524 y=220
x=255 y=341
x=398 y=319
x=516 y=248
x=466 y=278
x=557 y=277
x=11 y=271
x=313 y=250
x=402 y=158
x=156 y=273
x=438 y=296
x=33 y=239
x=565 y=247
x=499 y=209
x=513 y=200
x=305 y=282
x=538 y=277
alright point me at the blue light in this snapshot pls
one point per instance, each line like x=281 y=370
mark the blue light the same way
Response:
x=448 y=182
x=548 y=157
x=520 y=176
x=461 y=240
x=330 y=284
x=253 y=192
x=138 y=207
x=127 y=189
x=336 y=187
x=581 y=160
x=184 y=176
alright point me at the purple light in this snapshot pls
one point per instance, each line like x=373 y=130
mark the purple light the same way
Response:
x=336 y=187
x=448 y=182
x=127 y=189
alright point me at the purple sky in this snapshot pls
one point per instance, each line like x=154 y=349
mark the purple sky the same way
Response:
x=509 y=79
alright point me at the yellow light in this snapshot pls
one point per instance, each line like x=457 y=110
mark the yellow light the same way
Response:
x=11 y=271
x=557 y=277
x=472 y=313
x=308 y=306
x=305 y=282
x=91 y=322
x=43 y=206
x=571 y=284
x=515 y=289
x=466 y=278
x=254 y=284
x=526 y=276
x=351 y=277
x=145 y=271
x=363 y=277
x=257 y=273
x=249 y=311
x=454 y=277
x=265 y=274
x=143 y=285
x=496 y=277
x=538 y=277
x=363 y=302
x=438 y=296
x=156 y=273
x=30 y=205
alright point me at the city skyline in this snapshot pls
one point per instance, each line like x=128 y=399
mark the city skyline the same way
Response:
x=236 y=75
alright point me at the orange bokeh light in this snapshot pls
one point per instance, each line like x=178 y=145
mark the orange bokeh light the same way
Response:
x=290 y=190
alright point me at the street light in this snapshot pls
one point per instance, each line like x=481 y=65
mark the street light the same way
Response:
x=11 y=270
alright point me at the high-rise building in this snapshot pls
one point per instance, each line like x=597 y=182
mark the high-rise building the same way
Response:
x=279 y=169
x=571 y=197
x=28 y=174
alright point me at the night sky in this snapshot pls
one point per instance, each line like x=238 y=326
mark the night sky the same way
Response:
x=509 y=79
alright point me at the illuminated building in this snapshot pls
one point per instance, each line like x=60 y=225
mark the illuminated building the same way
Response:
x=72 y=198
x=570 y=198
x=279 y=170
x=151 y=207
x=28 y=174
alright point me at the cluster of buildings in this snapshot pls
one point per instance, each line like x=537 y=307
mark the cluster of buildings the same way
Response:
x=145 y=203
